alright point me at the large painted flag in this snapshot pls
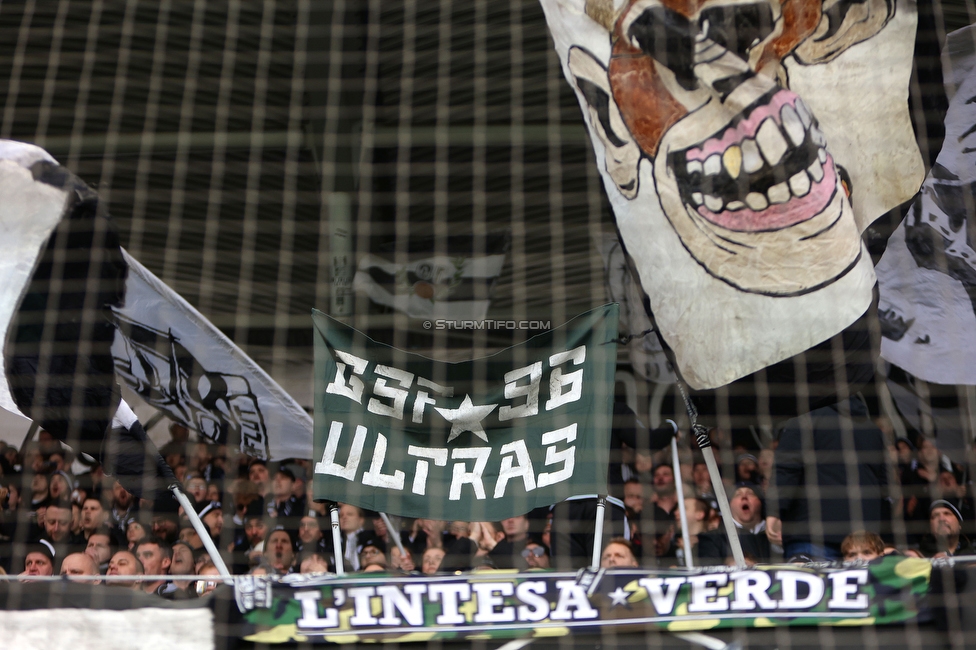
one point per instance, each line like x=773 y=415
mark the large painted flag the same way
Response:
x=928 y=272
x=176 y=360
x=454 y=284
x=481 y=440
x=744 y=147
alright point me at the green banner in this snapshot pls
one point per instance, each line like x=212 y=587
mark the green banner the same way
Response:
x=479 y=440
x=499 y=604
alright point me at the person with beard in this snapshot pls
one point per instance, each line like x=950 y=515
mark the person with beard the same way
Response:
x=211 y=513
x=57 y=530
x=747 y=515
x=945 y=538
x=123 y=506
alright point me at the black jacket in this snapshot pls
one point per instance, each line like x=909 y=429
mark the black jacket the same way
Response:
x=830 y=476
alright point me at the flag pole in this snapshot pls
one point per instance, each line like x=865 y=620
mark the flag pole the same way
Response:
x=601 y=508
x=394 y=533
x=198 y=526
x=680 y=485
x=723 y=499
x=336 y=539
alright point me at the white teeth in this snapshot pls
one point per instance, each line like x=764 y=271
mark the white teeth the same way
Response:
x=779 y=193
x=804 y=113
x=751 y=160
x=735 y=205
x=771 y=142
x=756 y=201
x=800 y=184
x=793 y=125
x=694 y=166
x=818 y=137
x=713 y=203
x=697 y=198
x=822 y=155
x=816 y=171
x=713 y=164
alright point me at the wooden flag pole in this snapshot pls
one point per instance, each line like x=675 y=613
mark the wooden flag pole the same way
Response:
x=601 y=508
x=336 y=539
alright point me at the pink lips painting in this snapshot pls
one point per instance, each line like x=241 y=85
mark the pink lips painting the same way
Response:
x=744 y=147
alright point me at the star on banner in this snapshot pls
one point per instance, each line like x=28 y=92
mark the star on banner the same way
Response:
x=618 y=596
x=467 y=417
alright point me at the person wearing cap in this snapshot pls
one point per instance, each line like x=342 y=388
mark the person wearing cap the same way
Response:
x=746 y=505
x=747 y=469
x=166 y=518
x=283 y=502
x=945 y=538
x=39 y=560
x=373 y=551
x=212 y=514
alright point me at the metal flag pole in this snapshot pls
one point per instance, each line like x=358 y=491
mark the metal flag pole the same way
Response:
x=680 y=486
x=198 y=526
x=705 y=444
x=601 y=508
x=394 y=533
x=336 y=539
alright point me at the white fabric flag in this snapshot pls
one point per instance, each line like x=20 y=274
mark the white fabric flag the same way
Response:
x=744 y=148
x=178 y=361
x=928 y=272
x=29 y=212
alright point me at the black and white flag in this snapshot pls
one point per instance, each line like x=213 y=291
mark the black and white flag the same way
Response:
x=927 y=275
x=452 y=285
x=178 y=361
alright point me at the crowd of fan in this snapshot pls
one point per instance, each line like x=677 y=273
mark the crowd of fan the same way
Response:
x=263 y=519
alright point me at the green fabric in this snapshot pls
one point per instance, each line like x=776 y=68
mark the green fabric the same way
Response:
x=496 y=437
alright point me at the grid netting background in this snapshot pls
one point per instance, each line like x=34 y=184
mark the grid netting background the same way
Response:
x=225 y=138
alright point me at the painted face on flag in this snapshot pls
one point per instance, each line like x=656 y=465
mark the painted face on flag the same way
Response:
x=758 y=133
x=741 y=167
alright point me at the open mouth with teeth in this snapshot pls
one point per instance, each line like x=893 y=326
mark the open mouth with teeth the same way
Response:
x=766 y=170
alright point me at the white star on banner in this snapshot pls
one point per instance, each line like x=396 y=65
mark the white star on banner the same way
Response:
x=467 y=417
x=618 y=596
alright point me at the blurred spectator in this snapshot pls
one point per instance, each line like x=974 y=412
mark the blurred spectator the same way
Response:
x=124 y=563
x=166 y=518
x=373 y=551
x=57 y=527
x=135 y=529
x=747 y=514
x=945 y=537
x=536 y=555
x=402 y=561
x=747 y=469
x=183 y=563
x=39 y=560
x=59 y=487
x=257 y=473
x=79 y=564
x=93 y=515
x=697 y=511
x=212 y=514
x=102 y=544
x=204 y=587
x=156 y=556
x=123 y=505
x=507 y=553
x=351 y=524
x=862 y=545
x=200 y=462
x=618 y=554
x=314 y=562
x=432 y=560
x=195 y=487
x=634 y=498
x=279 y=551
x=665 y=493
x=284 y=503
